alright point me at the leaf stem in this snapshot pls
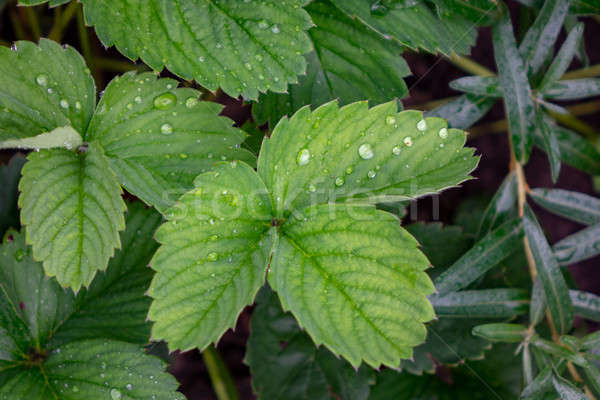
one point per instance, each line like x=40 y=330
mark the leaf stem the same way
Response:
x=34 y=23
x=468 y=65
x=86 y=46
x=588 y=72
x=219 y=374
x=17 y=25
x=62 y=20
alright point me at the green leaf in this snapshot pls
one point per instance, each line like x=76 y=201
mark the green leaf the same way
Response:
x=502 y=207
x=566 y=390
x=464 y=111
x=416 y=27
x=550 y=143
x=480 y=12
x=65 y=136
x=540 y=385
x=578 y=246
x=484 y=303
x=518 y=100
x=42 y=88
x=478 y=85
x=358 y=154
x=158 y=137
x=285 y=364
x=9 y=180
x=578 y=207
x=219 y=44
x=585 y=7
x=499 y=332
x=487 y=252
x=573 y=89
x=213 y=257
x=538 y=305
x=591 y=341
x=350 y=62
x=586 y=304
x=92 y=369
x=73 y=226
x=563 y=59
x=555 y=288
x=538 y=43
x=576 y=151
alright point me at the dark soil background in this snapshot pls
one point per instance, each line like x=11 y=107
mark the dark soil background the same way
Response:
x=431 y=75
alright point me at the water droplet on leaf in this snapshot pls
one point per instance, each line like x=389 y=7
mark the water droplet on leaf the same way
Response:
x=422 y=125
x=303 y=157
x=42 y=80
x=365 y=151
x=371 y=174
x=390 y=120
x=191 y=102
x=443 y=133
x=396 y=150
x=166 y=129
x=408 y=141
x=165 y=101
x=115 y=394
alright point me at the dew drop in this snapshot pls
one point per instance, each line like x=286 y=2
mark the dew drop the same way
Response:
x=365 y=151
x=64 y=104
x=258 y=57
x=396 y=150
x=248 y=66
x=138 y=99
x=115 y=394
x=201 y=59
x=422 y=125
x=166 y=129
x=408 y=141
x=191 y=102
x=263 y=24
x=390 y=120
x=212 y=256
x=165 y=101
x=312 y=188
x=129 y=386
x=275 y=29
x=349 y=170
x=443 y=133
x=371 y=174
x=77 y=105
x=303 y=157
x=42 y=80
x=339 y=181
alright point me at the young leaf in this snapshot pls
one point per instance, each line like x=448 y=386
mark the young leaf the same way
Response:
x=573 y=89
x=539 y=40
x=9 y=181
x=566 y=390
x=518 y=100
x=43 y=87
x=488 y=252
x=350 y=62
x=73 y=226
x=563 y=59
x=65 y=136
x=213 y=257
x=555 y=288
x=508 y=333
x=502 y=206
x=586 y=304
x=285 y=364
x=484 y=303
x=578 y=207
x=219 y=44
x=415 y=26
x=159 y=138
x=578 y=246
x=551 y=146
x=464 y=111
x=478 y=85
x=342 y=256
x=358 y=154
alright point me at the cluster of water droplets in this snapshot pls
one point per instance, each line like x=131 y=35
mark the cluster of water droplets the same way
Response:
x=42 y=81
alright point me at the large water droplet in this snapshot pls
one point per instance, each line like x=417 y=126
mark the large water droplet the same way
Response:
x=165 y=101
x=390 y=120
x=312 y=188
x=396 y=150
x=212 y=256
x=303 y=157
x=371 y=174
x=129 y=386
x=339 y=181
x=166 y=129
x=443 y=133
x=138 y=99
x=64 y=104
x=422 y=125
x=408 y=141
x=365 y=151
x=115 y=394
x=42 y=80
x=191 y=102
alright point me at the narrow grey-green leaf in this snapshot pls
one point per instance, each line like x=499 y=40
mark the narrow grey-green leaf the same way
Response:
x=64 y=136
x=285 y=364
x=485 y=254
x=499 y=332
x=478 y=85
x=577 y=151
x=359 y=154
x=213 y=257
x=43 y=87
x=484 y=303
x=540 y=385
x=573 y=89
x=350 y=62
x=538 y=306
x=566 y=390
x=72 y=208
x=464 y=111
x=586 y=304
x=563 y=59
x=415 y=26
x=539 y=40
x=555 y=288
x=518 y=100
x=575 y=206
x=579 y=246
x=354 y=268
x=9 y=182
x=551 y=146
x=502 y=206
x=591 y=341
x=158 y=137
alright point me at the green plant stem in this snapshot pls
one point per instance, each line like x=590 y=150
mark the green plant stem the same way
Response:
x=117 y=65
x=219 y=374
x=576 y=124
x=589 y=72
x=62 y=20
x=468 y=65
x=86 y=46
x=34 y=23
x=17 y=26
